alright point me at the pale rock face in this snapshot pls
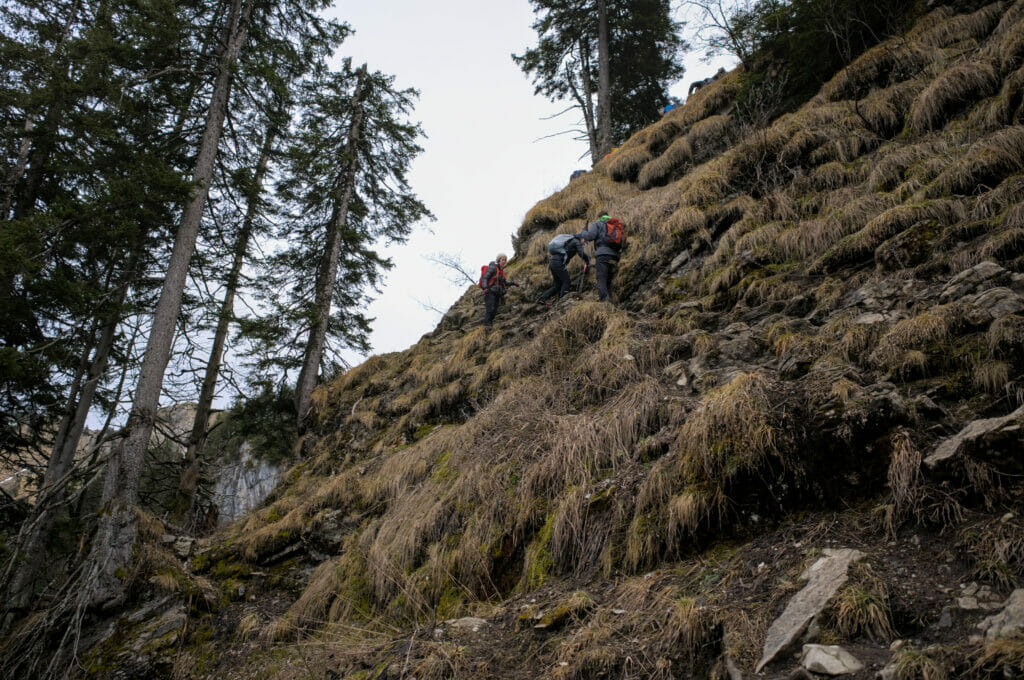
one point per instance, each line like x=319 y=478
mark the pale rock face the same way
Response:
x=242 y=486
x=829 y=660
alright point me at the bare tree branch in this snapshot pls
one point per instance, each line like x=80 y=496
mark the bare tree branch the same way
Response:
x=457 y=271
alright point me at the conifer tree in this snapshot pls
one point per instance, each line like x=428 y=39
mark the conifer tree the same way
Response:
x=625 y=53
x=113 y=544
x=346 y=193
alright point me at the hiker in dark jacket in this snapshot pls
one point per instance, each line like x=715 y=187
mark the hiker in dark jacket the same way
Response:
x=607 y=255
x=562 y=249
x=495 y=285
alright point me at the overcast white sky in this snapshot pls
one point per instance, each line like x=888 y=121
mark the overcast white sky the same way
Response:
x=482 y=168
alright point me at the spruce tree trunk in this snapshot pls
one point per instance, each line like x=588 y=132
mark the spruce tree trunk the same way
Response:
x=604 y=80
x=192 y=467
x=21 y=587
x=115 y=537
x=587 y=103
x=327 y=273
x=18 y=171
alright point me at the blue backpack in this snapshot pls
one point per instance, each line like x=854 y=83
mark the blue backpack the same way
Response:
x=558 y=244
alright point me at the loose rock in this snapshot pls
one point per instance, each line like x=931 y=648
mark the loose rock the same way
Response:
x=830 y=660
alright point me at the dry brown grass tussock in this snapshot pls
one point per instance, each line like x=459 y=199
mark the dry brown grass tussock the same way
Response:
x=647 y=216
x=1004 y=246
x=962 y=84
x=927 y=331
x=657 y=170
x=990 y=376
x=1013 y=15
x=1009 y=192
x=593 y=445
x=1001 y=657
x=687 y=512
x=862 y=607
x=884 y=110
x=584 y=523
x=762 y=238
x=579 y=199
x=704 y=139
x=905 y=480
x=889 y=170
x=709 y=183
x=309 y=612
x=1005 y=337
x=1007 y=40
x=862 y=244
x=893 y=60
x=726 y=247
x=808 y=239
x=833 y=175
x=987 y=163
x=625 y=164
x=1003 y=109
x=735 y=428
x=961 y=27
x=373 y=366
x=845 y=146
x=678 y=635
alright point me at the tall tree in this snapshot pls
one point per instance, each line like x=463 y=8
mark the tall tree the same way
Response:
x=346 y=192
x=625 y=53
x=112 y=546
x=327 y=272
x=604 y=82
x=78 y=253
x=192 y=464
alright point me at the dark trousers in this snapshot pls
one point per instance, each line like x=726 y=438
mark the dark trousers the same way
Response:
x=560 y=275
x=491 y=300
x=606 y=266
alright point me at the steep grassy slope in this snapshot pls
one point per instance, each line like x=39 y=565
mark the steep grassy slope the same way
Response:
x=792 y=336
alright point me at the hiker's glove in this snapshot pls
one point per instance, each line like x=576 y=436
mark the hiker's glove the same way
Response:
x=512 y=284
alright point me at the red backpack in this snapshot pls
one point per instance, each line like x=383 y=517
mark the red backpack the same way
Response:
x=615 y=234
x=483 y=272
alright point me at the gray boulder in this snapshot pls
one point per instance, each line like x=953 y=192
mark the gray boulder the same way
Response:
x=993 y=440
x=981 y=276
x=829 y=660
x=825 y=577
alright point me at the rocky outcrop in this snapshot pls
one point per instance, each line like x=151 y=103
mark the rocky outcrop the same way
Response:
x=241 y=485
x=997 y=441
x=1007 y=623
x=825 y=577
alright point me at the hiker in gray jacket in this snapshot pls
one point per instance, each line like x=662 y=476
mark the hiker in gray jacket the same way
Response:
x=563 y=248
x=608 y=235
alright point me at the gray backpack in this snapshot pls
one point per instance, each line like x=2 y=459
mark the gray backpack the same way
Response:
x=558 y=244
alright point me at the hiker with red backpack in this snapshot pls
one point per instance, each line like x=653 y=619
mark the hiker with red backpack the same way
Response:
x=609 y=237
x=561 y=249
x=494 y=285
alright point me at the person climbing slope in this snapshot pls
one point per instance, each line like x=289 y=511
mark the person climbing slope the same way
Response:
x=563 y=248
x=608 y=235
x=494 y=284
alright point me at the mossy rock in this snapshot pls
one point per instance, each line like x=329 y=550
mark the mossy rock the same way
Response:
x=576 y=607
